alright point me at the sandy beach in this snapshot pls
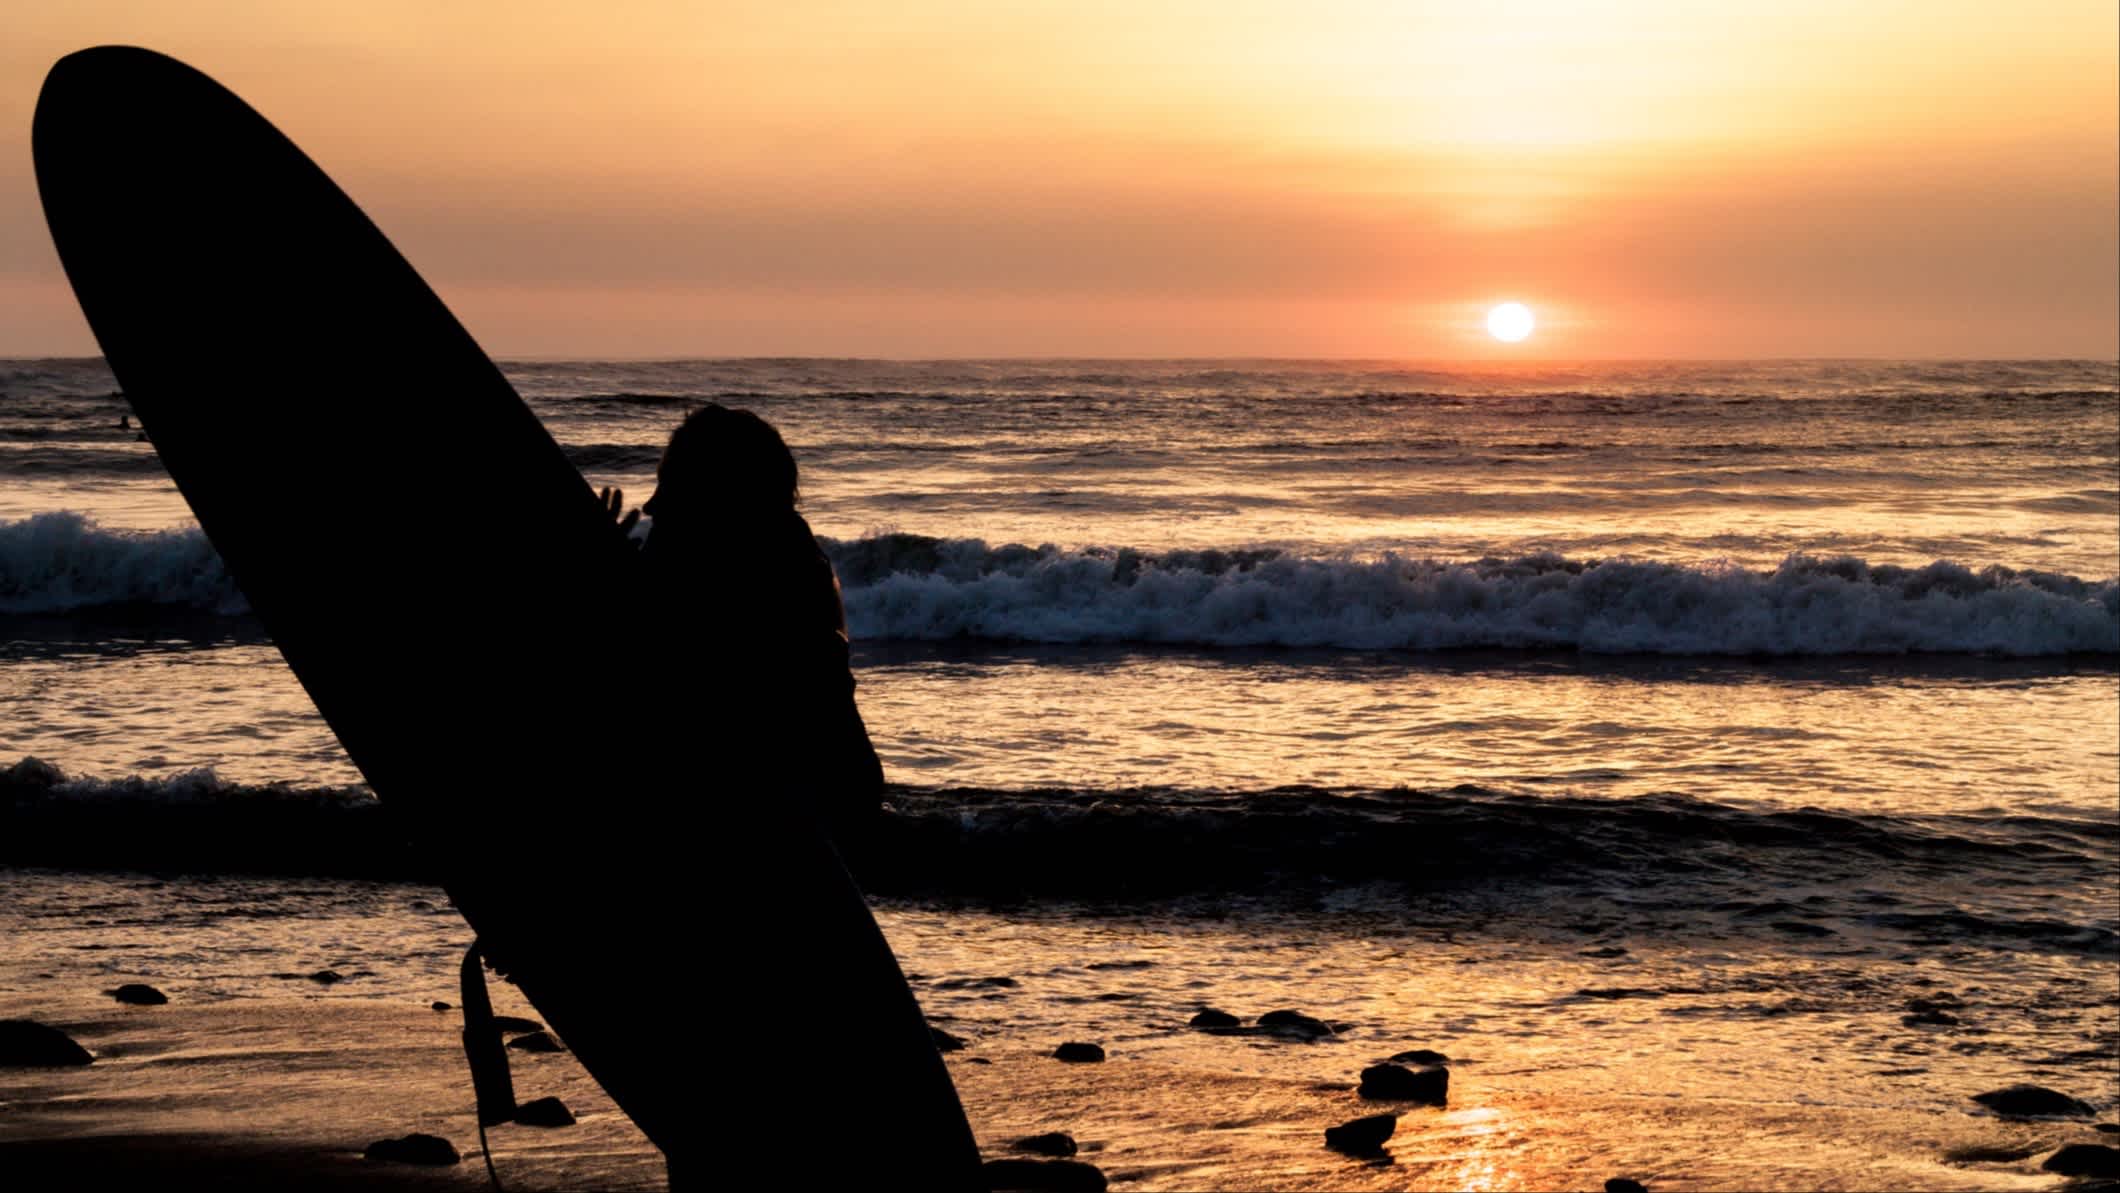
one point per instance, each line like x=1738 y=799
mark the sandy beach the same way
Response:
x=266 y=1081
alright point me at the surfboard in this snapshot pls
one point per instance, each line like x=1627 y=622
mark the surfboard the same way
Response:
x=455 y=600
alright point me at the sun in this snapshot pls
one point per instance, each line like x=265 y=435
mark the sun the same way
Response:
x=1510 y=322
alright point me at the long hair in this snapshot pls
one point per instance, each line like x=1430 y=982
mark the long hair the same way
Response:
x=721 y=461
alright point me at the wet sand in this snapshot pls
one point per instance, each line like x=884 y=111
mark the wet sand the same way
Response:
x=281 y=1092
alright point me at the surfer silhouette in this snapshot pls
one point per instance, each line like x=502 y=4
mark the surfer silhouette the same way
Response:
x=737 y=586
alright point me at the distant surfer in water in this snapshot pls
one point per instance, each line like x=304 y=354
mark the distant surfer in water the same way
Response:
x=738 y=587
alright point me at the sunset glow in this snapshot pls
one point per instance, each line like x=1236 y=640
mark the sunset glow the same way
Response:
x=1183 y=178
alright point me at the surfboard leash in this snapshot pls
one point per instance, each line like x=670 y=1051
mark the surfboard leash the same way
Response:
x=491 y=1084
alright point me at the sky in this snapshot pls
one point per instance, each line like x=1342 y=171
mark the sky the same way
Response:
x=1325 y=178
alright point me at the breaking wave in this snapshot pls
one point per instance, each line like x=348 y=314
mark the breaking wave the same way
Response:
x=906 y=588
x=901 y=587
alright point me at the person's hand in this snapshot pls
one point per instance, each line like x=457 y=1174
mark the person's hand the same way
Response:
x=614 y=501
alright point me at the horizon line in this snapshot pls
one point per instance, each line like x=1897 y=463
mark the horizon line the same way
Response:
x=1046 y=358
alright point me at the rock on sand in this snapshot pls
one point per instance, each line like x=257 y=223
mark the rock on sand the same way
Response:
x=1363 y=1135
x=537 y=1041
x=2085 y=1159
x=1053 y=1143
x=1429 y=1084
x=32 y=1045
x=2033 y=1100
x=1295 y=1025
x=138 y=994
x=1080 y=1054
x=544 y=1112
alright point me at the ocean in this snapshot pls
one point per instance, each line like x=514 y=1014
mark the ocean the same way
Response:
x=1673 y=745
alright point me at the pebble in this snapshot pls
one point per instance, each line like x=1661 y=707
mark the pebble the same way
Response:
x=2085 y=1159
x=139 y=994
x=1296 y=1024
x=1362 y=1135
x=1395 y=1083
x=537 y=1041
x=2032 y=1100
x=544 y=1112
x=1080 y=1054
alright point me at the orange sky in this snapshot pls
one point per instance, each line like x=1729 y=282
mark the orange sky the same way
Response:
x=1170 y=177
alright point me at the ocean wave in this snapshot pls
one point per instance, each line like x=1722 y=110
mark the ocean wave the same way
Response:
x=1748 y=866
x=63 y=563
x=907 y=587
x=911 y=587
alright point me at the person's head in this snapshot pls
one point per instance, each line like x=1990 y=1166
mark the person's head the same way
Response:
x=722 y=463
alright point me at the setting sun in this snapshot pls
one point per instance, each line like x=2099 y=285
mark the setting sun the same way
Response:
x=1510 y=322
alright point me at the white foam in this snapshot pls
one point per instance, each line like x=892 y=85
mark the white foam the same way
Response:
x=910 y=587
x=61 y=562
x=1807 y=606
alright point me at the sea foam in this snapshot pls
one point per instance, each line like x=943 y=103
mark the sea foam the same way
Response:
x=904 y=587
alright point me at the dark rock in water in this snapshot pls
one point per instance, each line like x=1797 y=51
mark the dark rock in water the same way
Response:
x=1604 y=954
x=24 y=1044
x=510 y=1024
x=537 y=1041
x=439 y=1005
x=1929 y=1018
x=1209 y=1017
x=2033 y=1099
x=1052 y=1143
x=2108 y=1128
x=326 y=977
x=1362 y=1136
x=1080 y=1054
x=1044 y=1176
x=1922 y=1006
x=2085 y=1159
x=1295 y=1024
x=977 y=1060
x=414 y=1149
x=1395 y=1083
x=544 y=1112
x=1620 y=1184
x=1419 y=1056
x=1802 y=928
x=944 y=1041
x=139 y=994
x=976 y=984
